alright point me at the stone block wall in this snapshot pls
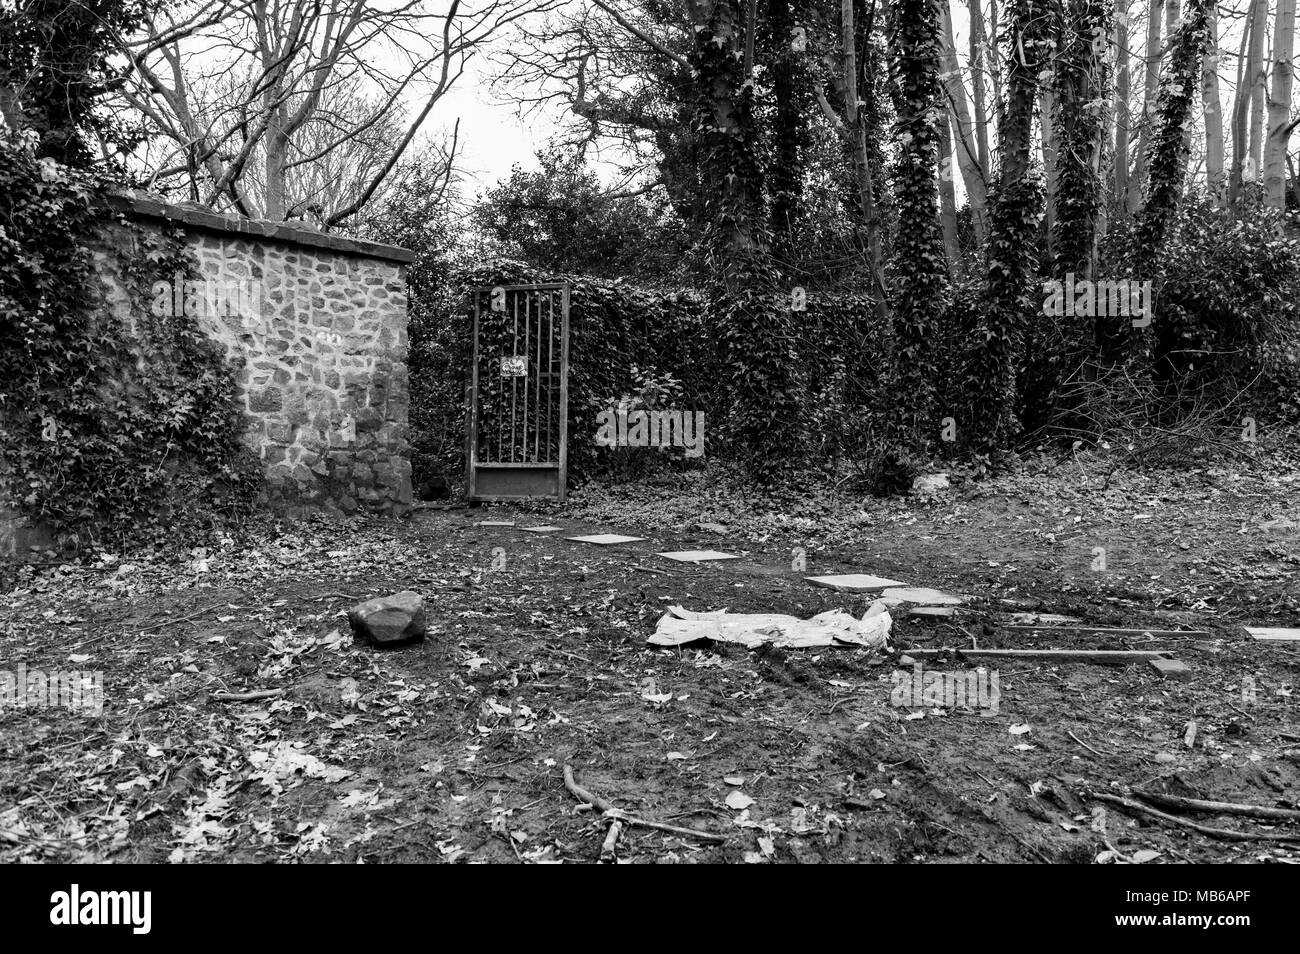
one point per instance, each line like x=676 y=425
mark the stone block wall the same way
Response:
x=319 y=323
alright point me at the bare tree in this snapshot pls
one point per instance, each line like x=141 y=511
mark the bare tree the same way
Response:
x=267 y=107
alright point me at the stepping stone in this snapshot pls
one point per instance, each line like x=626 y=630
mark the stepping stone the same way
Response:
x=923 y=594
x=1172 y=668
x=1273 y=632
x=495 y=523
x=544 y=529
x=605 y=539
x=698 y=556
x=852 y=582
x=940 y=611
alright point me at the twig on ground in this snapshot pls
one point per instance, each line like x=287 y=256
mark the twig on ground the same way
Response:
x=1223 y=833
x=248 y=696
x=1085 y=744
x=618 y=815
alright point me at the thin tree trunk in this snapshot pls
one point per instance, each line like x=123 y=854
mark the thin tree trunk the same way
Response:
x=1122 y=111
x=1256 y=78
x=1213 y=111
x=1046 y=108
x=947 y=194
x=995 y=57
x=1279 y=107
x=963 y=133
x=858 y=130
x=1150 y=87
x=978 y=80
x=1240 y=111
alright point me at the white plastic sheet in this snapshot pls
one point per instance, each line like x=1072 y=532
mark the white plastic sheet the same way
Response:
x=680 y=626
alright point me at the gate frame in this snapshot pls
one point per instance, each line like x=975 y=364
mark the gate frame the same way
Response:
x=472 y=464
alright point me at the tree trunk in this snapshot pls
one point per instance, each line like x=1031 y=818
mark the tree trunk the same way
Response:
x=789 y=123
x=1079 y=131
x=1279 y=108
x=1213 y=111
x=1015 y=206
x=1240 y=113
x=963 y=133
x=1046 y=110
x=1122 y=112
x=1256 y=79
x=947 y=194
x=979 y=84
x=1150 y=88
x=855 y=122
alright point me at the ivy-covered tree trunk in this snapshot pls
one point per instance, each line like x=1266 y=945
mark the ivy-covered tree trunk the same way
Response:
x=1166 y=159
x=1081 y=88
x=1016 y=208
x=920 y=275
x=791 y=105
x=754 y=321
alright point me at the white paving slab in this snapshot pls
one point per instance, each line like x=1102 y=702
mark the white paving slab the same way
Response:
x=495 y=523
x=1273 y=632
x=698 y=556
x=548 y=528
x=923 y=594
x=853 y=582
x=605 y=539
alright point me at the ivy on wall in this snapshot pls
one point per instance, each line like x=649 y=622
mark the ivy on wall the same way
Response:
x=118 y=422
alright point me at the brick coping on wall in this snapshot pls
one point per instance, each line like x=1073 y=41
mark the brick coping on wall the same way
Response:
x=147 y=207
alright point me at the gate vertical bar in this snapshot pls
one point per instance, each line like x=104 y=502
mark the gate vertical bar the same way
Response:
x=564 y=395
x=471 y=457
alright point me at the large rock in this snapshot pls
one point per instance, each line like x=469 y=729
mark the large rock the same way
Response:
x=389 y=620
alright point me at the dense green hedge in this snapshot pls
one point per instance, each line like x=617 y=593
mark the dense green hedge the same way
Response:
x=107 y=429
x=633 y=344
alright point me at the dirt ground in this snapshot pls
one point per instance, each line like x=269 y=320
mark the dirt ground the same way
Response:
x=453 y=749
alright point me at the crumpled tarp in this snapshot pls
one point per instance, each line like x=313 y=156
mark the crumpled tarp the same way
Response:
x=680 y=626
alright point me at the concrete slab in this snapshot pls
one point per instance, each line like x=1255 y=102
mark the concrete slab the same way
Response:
x=1274 y=632
x=853 y=582
x=545 y=529
x=605 y=539
x=698 y=556
x=495 y=523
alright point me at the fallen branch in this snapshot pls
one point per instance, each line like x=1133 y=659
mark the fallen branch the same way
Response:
x=1102 y=657
x=1223 y=833
x=618 y=815
x=248 y=696
x=1180 y=803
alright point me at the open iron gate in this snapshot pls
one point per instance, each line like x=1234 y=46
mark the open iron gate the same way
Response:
x=519 y=392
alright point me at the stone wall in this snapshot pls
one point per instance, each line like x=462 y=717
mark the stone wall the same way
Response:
x=319 y=322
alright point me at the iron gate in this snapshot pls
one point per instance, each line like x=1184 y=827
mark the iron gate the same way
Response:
x=519 y=392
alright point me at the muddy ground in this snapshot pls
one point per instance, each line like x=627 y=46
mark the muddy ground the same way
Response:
x=453 y=749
